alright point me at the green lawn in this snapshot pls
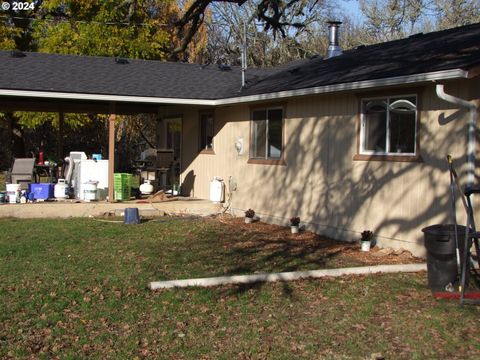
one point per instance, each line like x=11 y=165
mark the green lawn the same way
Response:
x=77 y=288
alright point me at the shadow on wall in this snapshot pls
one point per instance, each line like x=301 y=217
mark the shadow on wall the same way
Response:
x=322 y=184
x=341 y=197
x=188 y=183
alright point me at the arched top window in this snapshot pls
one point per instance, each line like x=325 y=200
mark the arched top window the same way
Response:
x=389 y=126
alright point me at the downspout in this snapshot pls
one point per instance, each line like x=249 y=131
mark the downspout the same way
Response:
x=472 y=125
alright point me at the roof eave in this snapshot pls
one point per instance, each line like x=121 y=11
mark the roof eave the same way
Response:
x=105 y=98
x=351 y=86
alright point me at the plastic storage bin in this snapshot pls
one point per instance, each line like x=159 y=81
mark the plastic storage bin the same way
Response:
x=121 y=186
x=41 y=191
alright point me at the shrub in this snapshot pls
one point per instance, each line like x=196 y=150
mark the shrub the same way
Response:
x=367 y=235
x=295 y=221
x=249 y=213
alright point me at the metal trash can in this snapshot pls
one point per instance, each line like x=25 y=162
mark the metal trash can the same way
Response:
x=441 y=254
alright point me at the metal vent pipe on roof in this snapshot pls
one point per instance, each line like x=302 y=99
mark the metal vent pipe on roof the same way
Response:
x=334 y=48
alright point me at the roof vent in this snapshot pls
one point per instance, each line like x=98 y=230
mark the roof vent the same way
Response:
x=224 y=67
x=17 y=54
x=333 y=48
x=121 y=61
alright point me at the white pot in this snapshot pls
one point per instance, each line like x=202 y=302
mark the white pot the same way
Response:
x=365 y=245
x=248 y=220
x=294 y=229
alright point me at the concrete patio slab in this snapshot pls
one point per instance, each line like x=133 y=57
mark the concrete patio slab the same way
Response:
x=68 y=209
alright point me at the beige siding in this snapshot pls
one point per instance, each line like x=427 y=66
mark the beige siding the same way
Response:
x=321 y=182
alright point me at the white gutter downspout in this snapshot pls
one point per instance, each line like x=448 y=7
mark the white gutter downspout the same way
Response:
x=472 y=126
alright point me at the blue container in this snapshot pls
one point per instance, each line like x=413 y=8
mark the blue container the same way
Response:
x=96 y=156
x=132 y=216
x=40 y=191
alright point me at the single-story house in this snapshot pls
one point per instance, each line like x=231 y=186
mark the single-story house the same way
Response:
x=351 y=142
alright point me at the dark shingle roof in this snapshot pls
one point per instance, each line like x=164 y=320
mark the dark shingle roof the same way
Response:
x=443 y=50
x=422 y=53
x=102 y=75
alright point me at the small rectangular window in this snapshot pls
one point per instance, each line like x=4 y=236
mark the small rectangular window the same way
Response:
x=267 y=134
x=389 y=126
x=206 y=131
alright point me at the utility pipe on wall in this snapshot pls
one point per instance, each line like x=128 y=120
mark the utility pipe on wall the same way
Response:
x=472 y=126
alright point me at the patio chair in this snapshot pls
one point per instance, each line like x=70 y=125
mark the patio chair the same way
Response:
x=22 y=172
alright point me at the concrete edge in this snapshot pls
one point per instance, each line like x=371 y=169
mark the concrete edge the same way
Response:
x=286 y=276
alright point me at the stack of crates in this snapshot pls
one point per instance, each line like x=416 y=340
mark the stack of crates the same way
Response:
x=121 y=186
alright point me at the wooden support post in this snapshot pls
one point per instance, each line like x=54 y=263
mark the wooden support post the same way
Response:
x=111 y=153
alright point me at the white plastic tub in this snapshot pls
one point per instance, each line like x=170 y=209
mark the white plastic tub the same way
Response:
x=90 y=191
x=13 y=193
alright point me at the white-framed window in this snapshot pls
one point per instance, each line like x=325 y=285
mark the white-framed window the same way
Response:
x=206 y=131
x=389 y=125
x=267 y=134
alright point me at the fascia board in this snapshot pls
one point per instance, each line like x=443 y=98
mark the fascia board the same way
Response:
x=105 y=98
x=358 y=85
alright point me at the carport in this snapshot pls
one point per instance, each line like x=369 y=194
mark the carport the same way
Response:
x=39 y=82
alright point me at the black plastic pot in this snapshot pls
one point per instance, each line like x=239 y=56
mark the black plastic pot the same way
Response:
x=441 y=254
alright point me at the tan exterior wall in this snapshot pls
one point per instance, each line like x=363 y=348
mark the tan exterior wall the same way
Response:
x=332 y=193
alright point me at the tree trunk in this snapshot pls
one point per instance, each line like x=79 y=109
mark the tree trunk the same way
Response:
x=17 y=142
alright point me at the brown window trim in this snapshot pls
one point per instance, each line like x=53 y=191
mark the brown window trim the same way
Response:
x=282 y=105
x=417 y=91
x=267 y=162
x=207 y=152
x=392 y=158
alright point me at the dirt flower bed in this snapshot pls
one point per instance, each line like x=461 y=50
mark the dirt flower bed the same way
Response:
x=280 y=237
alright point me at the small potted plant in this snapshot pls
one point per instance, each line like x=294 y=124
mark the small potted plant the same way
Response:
x=294 y=224
x=249 y=215
x=366 y=240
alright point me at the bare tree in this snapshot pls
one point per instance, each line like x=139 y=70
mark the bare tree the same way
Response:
x=451 y=13
x=393 y=19
x=281 y=18
x=294 y=41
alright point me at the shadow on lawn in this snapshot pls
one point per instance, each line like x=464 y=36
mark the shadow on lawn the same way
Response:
x=271 y=248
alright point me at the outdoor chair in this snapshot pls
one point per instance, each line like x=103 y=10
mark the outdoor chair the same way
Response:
x=22 y=172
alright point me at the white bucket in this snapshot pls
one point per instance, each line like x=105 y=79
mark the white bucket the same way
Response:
x=13 y=193
x=90 y=191
x=60 y=189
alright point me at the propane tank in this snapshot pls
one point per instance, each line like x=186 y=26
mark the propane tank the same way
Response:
x=60 y=189
x=146 y=188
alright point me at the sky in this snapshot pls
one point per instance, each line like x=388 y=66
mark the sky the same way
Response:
x=352 y=9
